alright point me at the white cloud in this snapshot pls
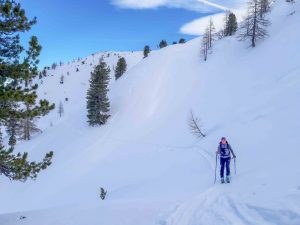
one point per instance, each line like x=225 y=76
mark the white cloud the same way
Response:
x=139 y=4
x=216 y=5
x=198 y=26
x=194 y=5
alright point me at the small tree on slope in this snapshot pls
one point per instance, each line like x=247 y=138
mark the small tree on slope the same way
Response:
x=253 y=28
x=60 y=109
x=120 y=68
x=207 y=40
x=97 y=100
x=163 y=44
x=27 y=128
x=146 y=51
x=211 y=33
x=230 y=24
x=205 y=45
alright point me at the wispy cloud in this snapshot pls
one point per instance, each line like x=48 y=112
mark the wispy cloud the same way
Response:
x=197 y=26
x=194 y=5
x=216 y=5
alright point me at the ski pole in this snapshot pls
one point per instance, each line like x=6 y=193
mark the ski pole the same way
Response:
x=234 y=166
x=216 y=168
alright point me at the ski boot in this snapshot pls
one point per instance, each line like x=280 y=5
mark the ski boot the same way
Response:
x=222 y=180
x=227 y=180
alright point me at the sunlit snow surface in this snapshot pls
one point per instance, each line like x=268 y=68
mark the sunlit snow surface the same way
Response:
x=155 y=171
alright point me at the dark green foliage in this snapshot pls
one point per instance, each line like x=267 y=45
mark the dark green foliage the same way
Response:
x=174 y=43
x=44 y=72
x=120 y=68
x=97 y=100
x=147 y=50
x=17 y=93
x=182 y=41
x=54 y=65
x=17 y=167
x=231 y=24
x=103 y=193
x=163 y=44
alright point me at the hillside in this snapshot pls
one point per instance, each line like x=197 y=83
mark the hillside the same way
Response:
x=155 y=170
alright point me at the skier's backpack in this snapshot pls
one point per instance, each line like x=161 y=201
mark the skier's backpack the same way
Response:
x=224 y=150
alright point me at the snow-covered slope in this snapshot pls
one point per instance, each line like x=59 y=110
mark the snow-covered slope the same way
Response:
x=155 y=171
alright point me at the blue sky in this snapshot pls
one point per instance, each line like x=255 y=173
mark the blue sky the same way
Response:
x=71 y=29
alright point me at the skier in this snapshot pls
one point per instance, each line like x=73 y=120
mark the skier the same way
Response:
x=225 y=151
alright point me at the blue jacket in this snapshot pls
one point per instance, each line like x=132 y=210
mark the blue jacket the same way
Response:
x=225 y=150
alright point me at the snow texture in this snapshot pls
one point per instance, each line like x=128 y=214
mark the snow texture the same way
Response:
x=155 y=171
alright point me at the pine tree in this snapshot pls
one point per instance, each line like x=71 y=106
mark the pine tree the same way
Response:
x=163 y=44
x=54 y=65
x=182 y=41
x=254 y=26
x=231 y=24
x=60 y=109
x=44 y=72
x=147 y=50
x=12 y=126
x=120 y=68
x=1 y=141
x=62 y=78
x=15 y=96
x=205 y=45
x=97 y=100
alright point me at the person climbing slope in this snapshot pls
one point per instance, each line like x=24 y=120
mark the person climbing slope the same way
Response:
x=225 y=151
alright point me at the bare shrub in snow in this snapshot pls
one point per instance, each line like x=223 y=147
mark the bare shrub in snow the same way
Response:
x=195 y=126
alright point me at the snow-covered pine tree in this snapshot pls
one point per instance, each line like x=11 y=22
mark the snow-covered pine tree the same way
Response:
x=14 y=96
x=146 y=51
x=97 y=99
x=231 y=24
x=61 y=109
x=254 y=26
x=120 y=68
